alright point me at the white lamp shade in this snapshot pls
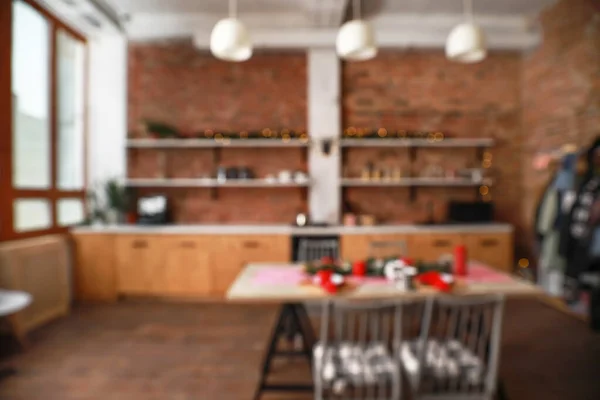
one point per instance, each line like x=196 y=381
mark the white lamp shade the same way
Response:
x=230 y=41
x=466 y=43
x=356 y=41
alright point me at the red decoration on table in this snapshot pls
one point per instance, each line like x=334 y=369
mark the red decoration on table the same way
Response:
x=460 y=260
x=434 y=279
x=407 y=261
x=329 y=287
x=359 y=268
x=326 y=260
x=324 y=275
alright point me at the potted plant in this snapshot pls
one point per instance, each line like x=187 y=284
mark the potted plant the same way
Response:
x=160 y=130
x=116 y=201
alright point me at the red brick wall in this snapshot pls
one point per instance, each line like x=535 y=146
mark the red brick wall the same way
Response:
x=176 y=84
x=561 y=88
x=421 y=90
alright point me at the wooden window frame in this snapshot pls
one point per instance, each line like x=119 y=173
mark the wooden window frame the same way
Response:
x=8 y=193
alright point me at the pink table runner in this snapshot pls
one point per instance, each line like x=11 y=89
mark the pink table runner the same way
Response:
x=294 y=275
x=479 y=273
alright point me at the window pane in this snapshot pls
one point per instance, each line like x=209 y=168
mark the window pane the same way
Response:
x=69 y=211
x=31 y=95
x=70 y=78
x=31 y=214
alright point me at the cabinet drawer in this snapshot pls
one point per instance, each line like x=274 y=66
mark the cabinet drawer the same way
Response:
x=492 y=249
x=187 y=267
x=139 y=260
x=357 y=247
x=430 y=247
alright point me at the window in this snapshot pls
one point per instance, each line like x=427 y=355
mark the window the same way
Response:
x=47 y=145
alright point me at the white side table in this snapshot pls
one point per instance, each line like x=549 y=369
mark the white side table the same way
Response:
x=11 y=302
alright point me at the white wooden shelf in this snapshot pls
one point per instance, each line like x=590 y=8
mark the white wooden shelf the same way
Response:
x=408 y=182
x=211 y=143
x=211 y=183
x=399 y=142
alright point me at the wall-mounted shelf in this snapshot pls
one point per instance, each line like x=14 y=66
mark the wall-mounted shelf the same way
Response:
x=211 y=183
x=409 y=182
x=400 y=142
x=211 y=143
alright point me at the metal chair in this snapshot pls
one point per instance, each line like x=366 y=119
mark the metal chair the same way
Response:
x=457 y=355
x=357 y=356
x=314 y=249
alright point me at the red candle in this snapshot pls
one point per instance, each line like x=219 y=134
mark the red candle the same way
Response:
x=460 y=260
x=359 y=268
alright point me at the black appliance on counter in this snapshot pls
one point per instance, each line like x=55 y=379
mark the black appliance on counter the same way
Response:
x=153 y=210
x=470 y=212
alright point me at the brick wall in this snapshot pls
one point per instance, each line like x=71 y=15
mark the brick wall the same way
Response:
x=560 y=88
x=176 y=84
x=421 y=90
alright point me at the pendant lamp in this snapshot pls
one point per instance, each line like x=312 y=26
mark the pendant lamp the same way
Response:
x=356 y=38
x=229 y=40
x=466 y=43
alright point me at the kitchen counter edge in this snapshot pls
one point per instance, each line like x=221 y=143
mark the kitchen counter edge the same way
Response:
x=292 y=230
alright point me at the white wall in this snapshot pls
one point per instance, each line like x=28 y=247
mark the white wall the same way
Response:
x=107 y=107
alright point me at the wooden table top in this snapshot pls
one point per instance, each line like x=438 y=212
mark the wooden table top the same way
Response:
x=282 y=283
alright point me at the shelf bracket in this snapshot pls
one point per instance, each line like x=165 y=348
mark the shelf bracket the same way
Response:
x=413 y=193
x=480 y=150
x=412 y=151
x=216 y=156
x=214 y=194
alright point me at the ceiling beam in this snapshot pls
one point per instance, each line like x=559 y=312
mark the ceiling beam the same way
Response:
x=290 y=30
x=327 y=13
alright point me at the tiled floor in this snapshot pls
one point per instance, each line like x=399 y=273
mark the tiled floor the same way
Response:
x=137 y=350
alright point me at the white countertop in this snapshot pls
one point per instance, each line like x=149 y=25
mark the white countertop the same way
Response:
x=292 y=230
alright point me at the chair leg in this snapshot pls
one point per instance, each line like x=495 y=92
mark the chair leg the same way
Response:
x=501 y=391
x=18 y=332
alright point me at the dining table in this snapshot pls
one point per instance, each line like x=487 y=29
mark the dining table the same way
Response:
x=288 y=286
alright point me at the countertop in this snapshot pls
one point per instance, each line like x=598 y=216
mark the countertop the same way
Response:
x=293 y=230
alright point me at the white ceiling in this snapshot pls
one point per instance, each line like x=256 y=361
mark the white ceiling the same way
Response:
x=314 y=23
x=371 y=7
x=483 y=7
x=204 y=6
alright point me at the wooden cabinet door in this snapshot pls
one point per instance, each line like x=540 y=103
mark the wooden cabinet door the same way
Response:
x=187 y=267
x=431 y=246
x=94 y=270
x=357 y=247
x=232 y=252
x=140 y=264
x=492 y=249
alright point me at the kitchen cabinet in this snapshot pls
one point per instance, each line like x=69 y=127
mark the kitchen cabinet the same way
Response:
x=140 y=264
x=232 y=252
x=356 y=247
x=94 y=268
x=187 y=269
x=493 y=249
x=431 y=246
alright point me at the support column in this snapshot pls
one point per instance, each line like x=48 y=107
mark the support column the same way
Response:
x=324 y=122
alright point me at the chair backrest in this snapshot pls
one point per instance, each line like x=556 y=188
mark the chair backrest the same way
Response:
x=387 y=248
x=368 y=335
x=462 y=351
x=314 y=249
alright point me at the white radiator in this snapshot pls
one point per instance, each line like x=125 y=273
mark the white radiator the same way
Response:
x=41 y=267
